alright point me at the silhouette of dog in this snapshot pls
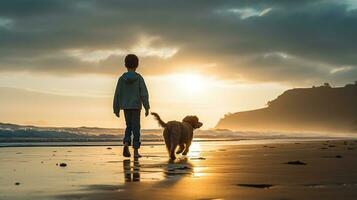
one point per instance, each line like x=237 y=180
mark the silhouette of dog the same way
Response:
x=178 y=133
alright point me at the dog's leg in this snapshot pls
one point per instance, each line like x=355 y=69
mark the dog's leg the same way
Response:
x=167 y=139
x=172 y=149
x=188 y=144
x=181 y=149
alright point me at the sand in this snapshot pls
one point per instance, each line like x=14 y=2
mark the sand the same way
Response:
x=213 y=170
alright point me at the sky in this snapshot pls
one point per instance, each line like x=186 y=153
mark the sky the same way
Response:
x=60 y=60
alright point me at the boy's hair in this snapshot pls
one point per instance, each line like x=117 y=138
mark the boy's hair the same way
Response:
x=131 y=61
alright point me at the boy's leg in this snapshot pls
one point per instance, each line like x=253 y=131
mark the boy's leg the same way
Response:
x=128 y=132
x=129 y=127
x=136 y=131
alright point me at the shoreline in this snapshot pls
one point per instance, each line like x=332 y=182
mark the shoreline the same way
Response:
x=15 y=144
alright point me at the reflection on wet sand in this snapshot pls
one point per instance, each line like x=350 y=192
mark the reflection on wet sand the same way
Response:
x=220 y=171
x=152 y=170
x=179 y=166
x=169 y=169
x=131 y=174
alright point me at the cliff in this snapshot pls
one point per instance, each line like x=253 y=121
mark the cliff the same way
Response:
x=321 y=109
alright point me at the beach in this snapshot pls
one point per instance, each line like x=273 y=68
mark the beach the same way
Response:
x=252 y=169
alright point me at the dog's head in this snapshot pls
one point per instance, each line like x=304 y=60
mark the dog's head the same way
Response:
x=193 y=121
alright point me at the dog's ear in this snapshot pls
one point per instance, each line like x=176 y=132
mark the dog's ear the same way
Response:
x=193 y=120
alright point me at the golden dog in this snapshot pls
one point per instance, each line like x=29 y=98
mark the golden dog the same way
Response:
x=178 y=133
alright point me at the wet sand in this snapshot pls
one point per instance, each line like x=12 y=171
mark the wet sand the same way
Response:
x=213 y=170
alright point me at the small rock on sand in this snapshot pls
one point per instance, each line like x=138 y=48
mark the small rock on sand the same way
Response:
x=63 y=165
x=296 y=162
x=17 y=183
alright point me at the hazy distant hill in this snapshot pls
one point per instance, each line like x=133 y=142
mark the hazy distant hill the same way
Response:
x=304 y=109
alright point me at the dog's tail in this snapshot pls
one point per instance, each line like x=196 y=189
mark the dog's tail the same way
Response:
x=157 y=117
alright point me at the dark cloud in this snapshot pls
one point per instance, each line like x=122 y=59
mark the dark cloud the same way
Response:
x=317 y=36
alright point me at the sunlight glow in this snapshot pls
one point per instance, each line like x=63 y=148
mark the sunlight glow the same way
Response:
x=191 y=83
x=90 y=98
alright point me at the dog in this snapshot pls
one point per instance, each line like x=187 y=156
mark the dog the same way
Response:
x=178 y=133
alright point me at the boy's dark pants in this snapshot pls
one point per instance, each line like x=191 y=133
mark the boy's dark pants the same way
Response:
x=132 y=120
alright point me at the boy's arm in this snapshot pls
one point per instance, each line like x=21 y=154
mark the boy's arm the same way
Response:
x=144 y=94
x=116 y=108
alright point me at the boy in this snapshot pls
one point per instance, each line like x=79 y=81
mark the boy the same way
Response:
x=130 y=94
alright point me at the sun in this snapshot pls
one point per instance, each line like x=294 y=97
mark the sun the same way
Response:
x=188 y=82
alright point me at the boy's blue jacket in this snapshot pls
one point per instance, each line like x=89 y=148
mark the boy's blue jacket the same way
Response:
x=130 y=93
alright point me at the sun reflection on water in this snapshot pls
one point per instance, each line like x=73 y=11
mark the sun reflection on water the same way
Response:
x=195 y=150
x=194 y=153
x=197 y=172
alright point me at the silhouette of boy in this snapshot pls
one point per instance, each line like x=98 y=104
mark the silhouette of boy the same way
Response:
x=130 y=94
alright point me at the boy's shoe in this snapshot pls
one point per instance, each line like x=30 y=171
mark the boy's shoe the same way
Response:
x=126 y=152
x=136 y=153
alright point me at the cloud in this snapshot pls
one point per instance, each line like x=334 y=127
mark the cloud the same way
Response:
x=280 y=65
x=144 y=49
x=94 y=56
x=341 y=69
x=245 y=13
x=5 y=23
x=251 y=40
